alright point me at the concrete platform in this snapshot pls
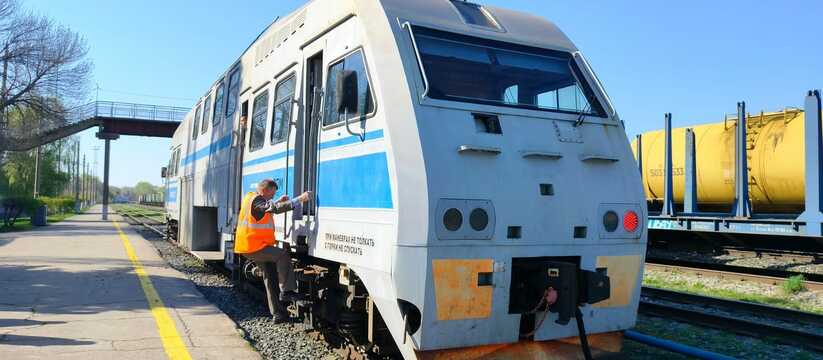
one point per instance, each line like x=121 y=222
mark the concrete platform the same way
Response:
x=71 y=291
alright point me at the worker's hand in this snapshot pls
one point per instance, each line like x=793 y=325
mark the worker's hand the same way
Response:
x=283 y=198
x=306 y=196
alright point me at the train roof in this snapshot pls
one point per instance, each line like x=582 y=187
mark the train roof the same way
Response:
x=511 y=26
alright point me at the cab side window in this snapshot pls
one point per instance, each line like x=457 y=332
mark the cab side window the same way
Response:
x=354 y=62
x=284 y=95
x=258 y=121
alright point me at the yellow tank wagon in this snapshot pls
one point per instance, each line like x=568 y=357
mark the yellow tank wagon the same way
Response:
x=775 y=155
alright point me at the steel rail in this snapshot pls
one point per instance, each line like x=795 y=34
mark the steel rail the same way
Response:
x=759 y=310
x=740 y=326
x=140 y=222
x=735 y=273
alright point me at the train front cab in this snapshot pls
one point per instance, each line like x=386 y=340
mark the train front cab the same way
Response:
x=529 y=184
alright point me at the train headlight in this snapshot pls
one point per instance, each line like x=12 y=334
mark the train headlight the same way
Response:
x=479 y=219
x=464 y=219
x=453 y=219
x=610 y=221
x=630 y=221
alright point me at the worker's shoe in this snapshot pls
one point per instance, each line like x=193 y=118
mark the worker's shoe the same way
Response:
x=291 y=296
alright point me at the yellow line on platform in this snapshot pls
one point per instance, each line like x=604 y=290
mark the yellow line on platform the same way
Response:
x=172 y=343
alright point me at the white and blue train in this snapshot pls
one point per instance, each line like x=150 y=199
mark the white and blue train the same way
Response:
x=466 y=163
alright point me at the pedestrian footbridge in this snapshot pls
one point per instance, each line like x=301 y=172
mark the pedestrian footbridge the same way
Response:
x=111 y=117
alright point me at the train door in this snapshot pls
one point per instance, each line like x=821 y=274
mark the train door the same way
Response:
x=235 y=187
x=309 y=128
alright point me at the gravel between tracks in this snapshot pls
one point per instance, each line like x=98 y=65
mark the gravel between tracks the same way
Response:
x=744 y=259
x=272 y=341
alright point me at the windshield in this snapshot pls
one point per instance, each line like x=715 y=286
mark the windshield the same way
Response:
x=468 y=69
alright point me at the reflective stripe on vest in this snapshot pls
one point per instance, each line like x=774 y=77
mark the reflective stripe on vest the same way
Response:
x=252 y=235
x=255 y=226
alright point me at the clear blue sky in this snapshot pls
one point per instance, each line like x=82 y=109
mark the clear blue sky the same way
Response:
x=695 y=59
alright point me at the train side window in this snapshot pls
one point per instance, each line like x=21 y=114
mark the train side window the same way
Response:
x=283 y=97
x=233 y=93
x=352 y=62
x=206 y=114
x=196 y=126
x=218 y=105
x=258 y=121
x=175 y=162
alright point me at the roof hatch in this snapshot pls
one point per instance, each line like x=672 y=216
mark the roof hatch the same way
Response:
x=475 y=14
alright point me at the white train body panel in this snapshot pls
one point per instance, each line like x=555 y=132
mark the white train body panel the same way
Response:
x=381 y=199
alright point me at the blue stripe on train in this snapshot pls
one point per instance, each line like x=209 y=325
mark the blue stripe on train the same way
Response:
x=354 y=182
x=171 y=194
x=225 y=142
x=377 y=134
x=212 y=148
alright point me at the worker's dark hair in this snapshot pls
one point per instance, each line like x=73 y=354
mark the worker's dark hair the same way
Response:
x=266 y=184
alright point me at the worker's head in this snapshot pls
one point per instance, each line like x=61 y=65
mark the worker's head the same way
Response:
x=267 y=188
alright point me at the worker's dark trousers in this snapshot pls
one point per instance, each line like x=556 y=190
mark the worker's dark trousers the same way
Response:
x=275 y=260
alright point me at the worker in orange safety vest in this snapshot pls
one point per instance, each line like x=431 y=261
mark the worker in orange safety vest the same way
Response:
x=255 y=240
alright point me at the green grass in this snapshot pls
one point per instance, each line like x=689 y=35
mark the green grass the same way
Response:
x=794 y=284
x=701 y=289
x=24 y=224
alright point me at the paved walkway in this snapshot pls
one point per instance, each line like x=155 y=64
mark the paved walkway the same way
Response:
x=81 y=289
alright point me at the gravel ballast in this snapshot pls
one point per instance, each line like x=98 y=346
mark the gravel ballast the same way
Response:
x=272 y=341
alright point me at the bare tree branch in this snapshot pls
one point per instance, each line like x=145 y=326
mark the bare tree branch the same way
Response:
x=42 y=65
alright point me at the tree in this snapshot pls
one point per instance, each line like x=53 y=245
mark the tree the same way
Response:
x=37 y=58
x=144 y=188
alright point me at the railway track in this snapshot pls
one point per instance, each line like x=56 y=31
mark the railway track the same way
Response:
x=759 y=321
x=140 y=217
x=731 y=272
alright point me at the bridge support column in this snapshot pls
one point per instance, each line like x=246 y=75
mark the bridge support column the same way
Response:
x=107 y=137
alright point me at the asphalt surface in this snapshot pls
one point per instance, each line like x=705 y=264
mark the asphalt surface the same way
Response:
x=80 y=289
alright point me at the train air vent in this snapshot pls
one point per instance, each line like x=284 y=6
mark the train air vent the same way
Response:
x=475 y=14
x=514 y=232
x=486 y=123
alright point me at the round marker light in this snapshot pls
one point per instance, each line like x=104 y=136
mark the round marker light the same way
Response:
x=452 y=219
x=610 y=221
x=479 y=219
x=630 y=221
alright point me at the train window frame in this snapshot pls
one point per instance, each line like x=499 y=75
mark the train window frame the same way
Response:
x=174 y=165
x=374 y=101
x=219 y=98
x=232 y=87
x=257 y=115
x=207 y=111
x=292 y=76
x=596 y=106
x=196 y=125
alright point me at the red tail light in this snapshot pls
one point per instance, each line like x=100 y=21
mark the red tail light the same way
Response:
x=630 y=221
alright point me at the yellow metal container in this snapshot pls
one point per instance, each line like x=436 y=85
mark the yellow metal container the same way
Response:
x=775 y=154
